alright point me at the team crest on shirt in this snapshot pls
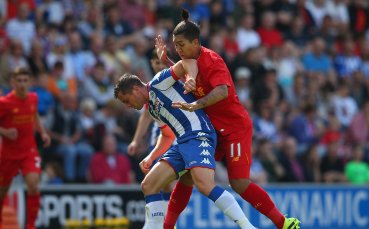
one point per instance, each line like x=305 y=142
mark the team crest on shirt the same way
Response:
x=15 y=110
x=155 y=105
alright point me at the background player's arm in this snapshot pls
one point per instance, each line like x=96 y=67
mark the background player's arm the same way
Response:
x=143 y=124
x=164 y=142
x=40 y=128
x=10 y=133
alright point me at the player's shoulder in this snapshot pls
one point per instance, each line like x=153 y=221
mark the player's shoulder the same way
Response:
x=32 y=96
x=209 y=58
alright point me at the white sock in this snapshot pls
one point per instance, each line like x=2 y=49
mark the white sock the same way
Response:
x=228 y=204
x=155 y=214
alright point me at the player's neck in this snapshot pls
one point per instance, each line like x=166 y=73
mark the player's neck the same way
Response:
x=20 y=95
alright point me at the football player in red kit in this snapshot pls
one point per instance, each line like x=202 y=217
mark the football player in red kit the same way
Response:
x=18 y=120
x=215 y=91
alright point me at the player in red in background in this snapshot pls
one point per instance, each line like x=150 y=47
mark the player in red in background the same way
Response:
x=18 y=119
x=215 y=91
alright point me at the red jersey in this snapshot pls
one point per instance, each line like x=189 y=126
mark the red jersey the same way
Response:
x=228 y=115
x=20 y=114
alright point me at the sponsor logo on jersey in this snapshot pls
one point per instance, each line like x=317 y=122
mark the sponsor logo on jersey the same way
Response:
x=157 y=214
x=235 y=159
x=205 y=152
x=204 y=144
x=206 y=161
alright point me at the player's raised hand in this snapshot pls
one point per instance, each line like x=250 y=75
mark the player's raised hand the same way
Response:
x=161 y=49
x=132 y=148
x=185 y=106
x=10 y=133
x=46 y=139
x=189 y=85
x=145 y=164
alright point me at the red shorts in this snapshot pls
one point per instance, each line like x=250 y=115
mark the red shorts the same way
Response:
x=236 y=148
x=10 y=167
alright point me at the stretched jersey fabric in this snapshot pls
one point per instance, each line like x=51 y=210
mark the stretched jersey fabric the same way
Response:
x=163 y=90
x=20 y=114
x=228 y=115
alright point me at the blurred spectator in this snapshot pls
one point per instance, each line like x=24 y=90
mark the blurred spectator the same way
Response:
x=338 y=10
x=77 y=56
x=267 y=89
x=311 y=164
x=12 y=7
x=36 y=59
x=358 y=131
x=332 y=166
x=347 y=62
x=99 y=86
x=257 y=172
x=20 y=28
x=88 y=122
x=359 y=16
x=357 y=170
x=116 y=60
x=247 y=37
x=56 y=84
x=293 y=169
x=200 y=14
x=318 y=10
x=305 y=128
x=114 y=25
x=317 y=60
x=66 y=133
x=365 y=59
x=4 y=66
x=134 y=12
x=264 y=127
x=242 y=84
x=139 y=62
x=45 y=103
x=94 y=23
x=53 y=174
x=59 y=54
x=50 y=11
x=268 y=33
x=343 y=105
x=269 y=160
x=298 y=33
x=109 y=166
x=17 y=58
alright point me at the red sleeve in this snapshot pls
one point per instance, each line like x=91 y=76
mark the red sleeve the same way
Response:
x=218 y=74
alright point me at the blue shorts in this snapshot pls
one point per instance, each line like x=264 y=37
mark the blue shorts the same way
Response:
x=196 y=152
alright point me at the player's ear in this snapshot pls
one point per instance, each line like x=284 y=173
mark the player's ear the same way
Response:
x=195 y=41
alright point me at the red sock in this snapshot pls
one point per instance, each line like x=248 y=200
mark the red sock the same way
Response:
x=1 y=210
x=177 y=203
x=33 y=205
x=260 y=200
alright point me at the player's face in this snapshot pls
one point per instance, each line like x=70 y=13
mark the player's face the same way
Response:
x=133 y=100
x=185 y=48
x=21 y=83
x=157 y=65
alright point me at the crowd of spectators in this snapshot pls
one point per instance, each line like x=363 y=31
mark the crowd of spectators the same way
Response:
x=300 y=67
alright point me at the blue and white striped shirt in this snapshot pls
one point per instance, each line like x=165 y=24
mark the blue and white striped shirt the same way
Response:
x=163 y=90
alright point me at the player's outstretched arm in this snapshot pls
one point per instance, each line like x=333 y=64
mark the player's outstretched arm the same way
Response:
x=40 y=128
x=165 y=140
x=142 y=126
x=217 y=94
